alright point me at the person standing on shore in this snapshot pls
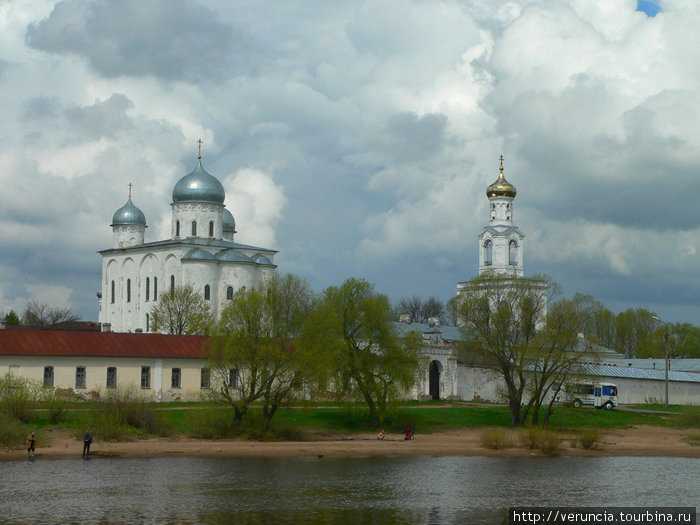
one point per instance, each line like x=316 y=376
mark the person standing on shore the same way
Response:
x=31 y=444
x=87 y=441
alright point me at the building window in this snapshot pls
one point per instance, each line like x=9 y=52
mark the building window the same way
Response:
x=111 y=377
x=172 y=286
x=229 y=293
x=512 y=253
x=112 y=296
x=204 y=378
x=148 y=289
x=194 y=228
x=211 y=228
x=207 y=292
x=128 y=290
x=175 y=378
x=155 y=288
x=80 y=377
x=233 y=378
x=145 y=377
x=177 y=228
x=488 y=252
x=148 y=323
x=48 y=376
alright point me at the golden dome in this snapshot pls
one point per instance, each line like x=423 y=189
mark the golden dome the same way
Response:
x=501 y=188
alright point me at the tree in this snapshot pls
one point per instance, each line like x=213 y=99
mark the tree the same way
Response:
x=258 y=352
x=354 y=324
x=182 y=312
x=499 y=316
x=634 y=329
x=420 y=311
x=41 y=314
x=12 y=319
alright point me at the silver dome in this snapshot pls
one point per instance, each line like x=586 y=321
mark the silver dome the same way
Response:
x=199 y=255
x=199 y=186
x=229 y=224
x=128 y=214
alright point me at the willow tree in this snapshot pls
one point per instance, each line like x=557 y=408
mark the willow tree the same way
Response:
x=354 y=325
x=257 y=352
x=181 y=312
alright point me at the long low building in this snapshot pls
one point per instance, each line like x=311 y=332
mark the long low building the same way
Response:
x=166 y=367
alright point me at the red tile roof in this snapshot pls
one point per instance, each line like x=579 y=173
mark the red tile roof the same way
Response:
x=99 y=344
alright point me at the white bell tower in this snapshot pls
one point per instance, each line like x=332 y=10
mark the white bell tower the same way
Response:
x=501 y=242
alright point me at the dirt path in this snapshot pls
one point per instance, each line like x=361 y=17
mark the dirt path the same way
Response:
x=637 y=441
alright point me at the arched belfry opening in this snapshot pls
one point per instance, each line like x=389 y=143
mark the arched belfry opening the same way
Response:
x=435 y=370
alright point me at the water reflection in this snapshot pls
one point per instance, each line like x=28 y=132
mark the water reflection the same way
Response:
x=332 y=490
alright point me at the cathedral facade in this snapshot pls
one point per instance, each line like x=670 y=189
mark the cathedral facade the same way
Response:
x=201 y=252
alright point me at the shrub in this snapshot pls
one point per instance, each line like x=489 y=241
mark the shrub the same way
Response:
x=535 y=438
x=213 y=423
x=55 y=405
x=13 y=433
x=109 y=427
x=689 y=417
x=18 y=396
x=589 y=438
x=494 y=438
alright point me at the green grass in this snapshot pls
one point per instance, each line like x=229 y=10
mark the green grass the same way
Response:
x=350 y=418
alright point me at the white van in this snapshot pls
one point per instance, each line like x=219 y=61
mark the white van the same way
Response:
x=599 y=395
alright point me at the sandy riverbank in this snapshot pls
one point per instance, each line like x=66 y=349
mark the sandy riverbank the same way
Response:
x=636 y=441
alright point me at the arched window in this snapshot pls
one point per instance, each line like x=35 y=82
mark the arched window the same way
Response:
x=172 y=286
x=128 y=290
x=513 y=253
x=194 y=228
x=155 y=288
x=207 y=292
x=229 y=293
x=177 y=228
x=112 y=294
x=211 y=228
x=148 y=323
x=488 y=252
x=148 y=289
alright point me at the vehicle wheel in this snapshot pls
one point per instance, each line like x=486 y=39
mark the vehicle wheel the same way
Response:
x=576 y=403
x=608 y=405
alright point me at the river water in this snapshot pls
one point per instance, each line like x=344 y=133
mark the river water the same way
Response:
x=332 y=490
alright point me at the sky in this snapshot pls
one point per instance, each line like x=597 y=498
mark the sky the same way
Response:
x=358 y=138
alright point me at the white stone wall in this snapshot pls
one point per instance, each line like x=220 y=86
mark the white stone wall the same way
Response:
x=124 y=236
x=202 y=213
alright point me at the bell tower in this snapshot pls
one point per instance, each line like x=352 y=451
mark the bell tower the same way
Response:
x=501 y=242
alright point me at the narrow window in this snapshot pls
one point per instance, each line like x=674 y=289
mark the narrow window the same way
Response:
x=207 y=292
x=148 y=323
x=512 y=253
x=148 y=289
x=80 y=377
x=204 y=378
x=145 y=377
x=177 y=228
x=194 y=228
x=175 y=379
x=112 y=299
x=111 y=377
x=172 y=286
x=211 y=228
x=48 y=376
x=233 y=378
x=155 y=288
x=487 y=252
x=229 y=293
x=128 y=290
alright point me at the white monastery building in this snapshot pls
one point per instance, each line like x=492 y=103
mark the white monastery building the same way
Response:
x=201 y=253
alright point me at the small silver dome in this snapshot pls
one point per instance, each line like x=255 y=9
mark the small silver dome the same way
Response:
x=261 y=259
x=198 y=255
x=229 y=224
x=128 y=215
x=199 y=186
x=231 y=255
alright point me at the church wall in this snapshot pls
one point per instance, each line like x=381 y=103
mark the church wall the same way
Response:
x=201 y=212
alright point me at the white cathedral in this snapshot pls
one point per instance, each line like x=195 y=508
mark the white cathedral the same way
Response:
x=201 y=253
